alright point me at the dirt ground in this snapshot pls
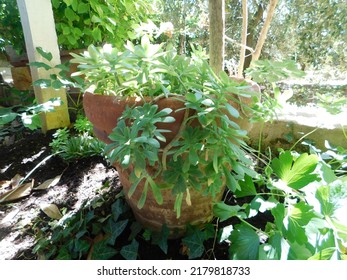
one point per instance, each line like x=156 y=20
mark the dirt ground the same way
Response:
x=80 y=181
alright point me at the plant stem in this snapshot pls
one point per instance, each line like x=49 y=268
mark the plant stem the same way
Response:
x=178 y=135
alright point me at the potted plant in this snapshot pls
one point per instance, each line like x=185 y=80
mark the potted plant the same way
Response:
x=171 y=125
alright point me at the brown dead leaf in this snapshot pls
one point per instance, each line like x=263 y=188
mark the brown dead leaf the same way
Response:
x=52 y=211
x=16 y=180
x=48 y=183
x=18 y=192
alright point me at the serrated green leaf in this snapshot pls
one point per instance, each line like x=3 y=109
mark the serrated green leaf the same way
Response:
x=244 y=243
x=129 y=252
x=224 y=211
x=247 y=188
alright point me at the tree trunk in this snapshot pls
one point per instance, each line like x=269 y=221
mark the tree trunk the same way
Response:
x=217 y=30
x=243 y=38
x=265 y=29
x=250 y=38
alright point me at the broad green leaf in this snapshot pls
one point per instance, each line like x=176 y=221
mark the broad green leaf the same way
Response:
x=279 y=213
x=299 y=251
x=195 y=244
x=129 y=252
x=295 y=173
x=7 y=116
x=102 y=251
x=298 y=216
x=325 y=254
x=244 y=243
x=224 y=211
x=115 y=229
x=247 y=188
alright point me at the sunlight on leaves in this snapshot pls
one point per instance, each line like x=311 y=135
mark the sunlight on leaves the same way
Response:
x=296 y=173
x=244 y=243
x=18 y=192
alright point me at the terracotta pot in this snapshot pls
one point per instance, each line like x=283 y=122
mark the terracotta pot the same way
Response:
x=103 y=112
x=153 y=216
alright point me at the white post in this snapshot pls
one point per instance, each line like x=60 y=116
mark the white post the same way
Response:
x=39 y=31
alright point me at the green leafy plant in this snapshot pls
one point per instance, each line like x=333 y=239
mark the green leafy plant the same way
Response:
x=305 y=201
x=201 y=156
x=85 y=233
x=78 y=23
x=28 y=115
x=82 y=144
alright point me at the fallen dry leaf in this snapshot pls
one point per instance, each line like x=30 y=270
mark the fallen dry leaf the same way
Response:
x=18 y=192
x=4 y=184
x=16 y=180
x=48 y=183
x=52 y=211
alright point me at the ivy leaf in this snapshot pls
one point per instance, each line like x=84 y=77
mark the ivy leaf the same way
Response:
x=117 y=209
x=160 y=239
x=101 y=251
x=195 y=244
x=129 y=252
x=63 y=254
x=115 y=229
x=244 y=243
x=296 y=173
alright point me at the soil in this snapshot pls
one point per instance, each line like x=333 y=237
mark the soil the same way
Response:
x=81 y=181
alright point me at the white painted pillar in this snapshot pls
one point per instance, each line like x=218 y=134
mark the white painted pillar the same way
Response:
x=39 y=31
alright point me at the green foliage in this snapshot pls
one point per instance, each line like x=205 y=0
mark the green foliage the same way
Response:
x=28 y=115
x=305 y=200
x=273 y=71
x=77 y=234
x=200 y=156
x=81 y=23
x=71 y=146
x=10 y=27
